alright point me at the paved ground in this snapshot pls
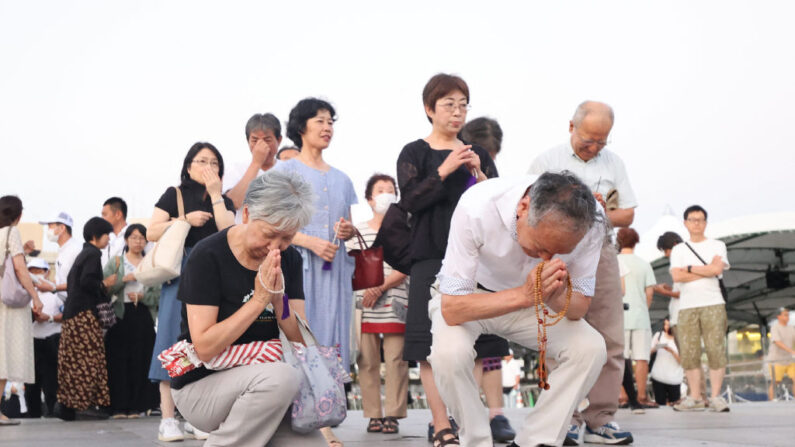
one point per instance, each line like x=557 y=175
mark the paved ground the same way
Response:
x=750 y=424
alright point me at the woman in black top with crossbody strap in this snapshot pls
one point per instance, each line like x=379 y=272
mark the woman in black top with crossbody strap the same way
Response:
x=433 y=173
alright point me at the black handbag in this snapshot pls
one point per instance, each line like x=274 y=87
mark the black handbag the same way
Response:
x=723 y=290
x=395 y=238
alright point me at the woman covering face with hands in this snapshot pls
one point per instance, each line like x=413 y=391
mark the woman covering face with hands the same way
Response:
x=235 y=286
x=207 y=211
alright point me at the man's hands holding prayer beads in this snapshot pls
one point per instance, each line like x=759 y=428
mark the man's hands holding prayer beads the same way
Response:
x=553 y=285
x=269 y=284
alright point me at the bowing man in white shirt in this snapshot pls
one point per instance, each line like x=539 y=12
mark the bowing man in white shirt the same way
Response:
x=500 y=231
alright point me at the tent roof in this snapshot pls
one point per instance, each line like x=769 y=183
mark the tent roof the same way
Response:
x=755 y=244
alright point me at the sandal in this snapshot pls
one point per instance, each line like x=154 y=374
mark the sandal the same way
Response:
x=390 y=426
x=331 y=439
x=440 y=441
x=375 y=426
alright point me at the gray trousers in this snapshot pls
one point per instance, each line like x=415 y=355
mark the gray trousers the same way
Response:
x=243 y=406
x=606 y=315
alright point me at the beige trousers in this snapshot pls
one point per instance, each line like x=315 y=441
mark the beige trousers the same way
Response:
x=243 y=406
x=606 y=315
x=576 y=349
x=397 y=375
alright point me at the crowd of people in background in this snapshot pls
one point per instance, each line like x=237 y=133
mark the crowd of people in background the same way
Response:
x=266 y=249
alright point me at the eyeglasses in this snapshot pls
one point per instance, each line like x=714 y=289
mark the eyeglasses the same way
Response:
x=597 y=143
x=696 y=221
x=204 y=162
x=451 y=106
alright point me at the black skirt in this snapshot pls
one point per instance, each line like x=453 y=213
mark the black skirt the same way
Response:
x=418 y=338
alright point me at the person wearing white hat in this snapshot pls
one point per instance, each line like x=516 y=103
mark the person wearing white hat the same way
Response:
x=46 y=337
x=59 y=230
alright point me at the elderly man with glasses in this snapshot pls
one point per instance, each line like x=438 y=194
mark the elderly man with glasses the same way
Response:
x=604 y=173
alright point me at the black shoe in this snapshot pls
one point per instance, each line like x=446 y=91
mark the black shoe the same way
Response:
x=92 y=414
x=64 y=413
x=501 y=430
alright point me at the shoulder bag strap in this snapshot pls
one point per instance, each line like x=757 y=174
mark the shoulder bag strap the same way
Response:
x=180 y=204
x=695 y=253
x=362 y=243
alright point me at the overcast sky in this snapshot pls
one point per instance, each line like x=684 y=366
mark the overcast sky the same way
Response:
x=105 y=98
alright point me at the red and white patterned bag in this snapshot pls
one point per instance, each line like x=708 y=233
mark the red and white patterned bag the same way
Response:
x=181 y=357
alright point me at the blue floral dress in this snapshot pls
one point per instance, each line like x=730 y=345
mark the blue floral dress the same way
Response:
x=329 y=293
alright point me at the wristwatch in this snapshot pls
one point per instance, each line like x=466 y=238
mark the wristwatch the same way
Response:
x=689 y=267
x=51 y=319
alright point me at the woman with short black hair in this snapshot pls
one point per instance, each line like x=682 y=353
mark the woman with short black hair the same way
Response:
x=82 y=371
x=327 y=272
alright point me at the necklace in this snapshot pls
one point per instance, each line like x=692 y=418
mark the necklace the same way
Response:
x=541 y=316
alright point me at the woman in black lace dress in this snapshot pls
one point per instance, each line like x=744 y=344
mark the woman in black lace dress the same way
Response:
x=433 y=173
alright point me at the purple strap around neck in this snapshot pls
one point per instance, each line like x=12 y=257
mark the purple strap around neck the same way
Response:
x=472 y=180
x=285 y=307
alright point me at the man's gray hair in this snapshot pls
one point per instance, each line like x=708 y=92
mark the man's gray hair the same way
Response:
x=284 y=200
x=567 y=198
x=587 y=107
x=264 y=122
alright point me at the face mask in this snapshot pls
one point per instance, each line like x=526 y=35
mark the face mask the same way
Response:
x=382 y=202
x=51 y=236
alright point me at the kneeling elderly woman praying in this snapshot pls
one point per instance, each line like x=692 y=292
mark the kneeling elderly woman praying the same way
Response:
x=239 y=288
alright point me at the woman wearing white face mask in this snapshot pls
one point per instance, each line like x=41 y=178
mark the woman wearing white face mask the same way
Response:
x=383 y=314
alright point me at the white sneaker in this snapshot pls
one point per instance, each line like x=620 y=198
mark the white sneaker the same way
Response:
x=718 y=405
x=195 y=432
x=169 y=431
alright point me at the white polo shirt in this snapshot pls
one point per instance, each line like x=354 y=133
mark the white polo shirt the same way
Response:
x=63 y=263
x=482 y=247
x=602 y=173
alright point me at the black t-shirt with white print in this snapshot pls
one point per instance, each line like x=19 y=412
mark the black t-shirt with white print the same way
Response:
x=213 y=277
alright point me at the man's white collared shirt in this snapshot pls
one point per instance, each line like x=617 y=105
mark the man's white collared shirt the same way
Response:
x=63 y=263
x=602 y=173
x=482 y=246
x=115 y=246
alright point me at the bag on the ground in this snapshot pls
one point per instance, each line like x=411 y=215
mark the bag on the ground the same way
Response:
x=321 y=400
x=164 y=262
x=369 y=270
x=11 y=290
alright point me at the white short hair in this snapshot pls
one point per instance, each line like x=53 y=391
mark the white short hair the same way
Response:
x=282 y=199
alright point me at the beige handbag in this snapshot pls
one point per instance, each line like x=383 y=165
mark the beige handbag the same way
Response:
x=164 y=262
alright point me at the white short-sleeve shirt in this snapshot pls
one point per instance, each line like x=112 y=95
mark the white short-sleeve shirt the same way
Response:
x=482 y=246
x=705 y=291
x=63 y=263
x=602 y=173
x=115 y=246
